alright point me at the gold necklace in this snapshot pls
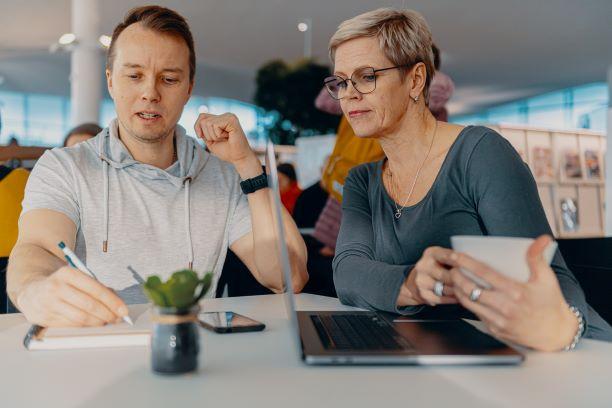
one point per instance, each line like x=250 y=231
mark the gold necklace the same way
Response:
x=398 y=210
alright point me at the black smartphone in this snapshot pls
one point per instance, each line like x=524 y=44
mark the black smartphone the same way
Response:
x=229 y=322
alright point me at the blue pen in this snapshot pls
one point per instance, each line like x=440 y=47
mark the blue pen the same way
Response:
x=75 y=262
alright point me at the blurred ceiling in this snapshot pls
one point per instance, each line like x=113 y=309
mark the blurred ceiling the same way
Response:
x=495 y=50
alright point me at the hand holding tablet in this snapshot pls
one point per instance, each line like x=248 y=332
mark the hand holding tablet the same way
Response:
x=507 y=255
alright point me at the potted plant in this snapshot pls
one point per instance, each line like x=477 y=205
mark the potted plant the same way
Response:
x=174 y=343
x=287 y=91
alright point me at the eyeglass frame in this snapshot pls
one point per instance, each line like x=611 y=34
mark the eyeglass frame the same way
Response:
x=374 y=71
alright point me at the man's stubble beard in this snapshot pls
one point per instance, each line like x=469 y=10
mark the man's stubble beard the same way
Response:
x=148 y=139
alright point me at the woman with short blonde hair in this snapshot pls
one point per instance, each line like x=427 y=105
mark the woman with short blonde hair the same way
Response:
x=438 y=180
x=403 y=37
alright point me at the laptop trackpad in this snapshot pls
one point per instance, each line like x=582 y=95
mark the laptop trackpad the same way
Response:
x=447 y=337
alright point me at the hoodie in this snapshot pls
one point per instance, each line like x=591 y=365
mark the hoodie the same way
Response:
x=132 y=214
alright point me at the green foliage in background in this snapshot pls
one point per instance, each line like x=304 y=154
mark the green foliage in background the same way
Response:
x=288 y=92
x=179 y=290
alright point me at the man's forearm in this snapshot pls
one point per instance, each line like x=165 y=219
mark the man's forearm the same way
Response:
x=265 y=243
x=265 y=237
x=27 y=263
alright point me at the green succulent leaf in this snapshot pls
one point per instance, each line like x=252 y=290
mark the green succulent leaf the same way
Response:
x=179 y=290
x=152 y=288
x=153 y=282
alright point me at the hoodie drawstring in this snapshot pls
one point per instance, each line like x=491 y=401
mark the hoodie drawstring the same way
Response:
x=187 y=184
x=106 y=163
x=105 y=203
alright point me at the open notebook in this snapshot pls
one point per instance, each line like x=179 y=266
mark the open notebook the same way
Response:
x=112 y=335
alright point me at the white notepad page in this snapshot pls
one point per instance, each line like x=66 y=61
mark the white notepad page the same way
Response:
x=112 y=335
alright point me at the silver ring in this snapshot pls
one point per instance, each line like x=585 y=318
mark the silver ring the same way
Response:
x=475 y=294
x=438 y=289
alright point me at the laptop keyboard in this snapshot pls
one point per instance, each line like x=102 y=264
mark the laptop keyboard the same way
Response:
x=357 y=332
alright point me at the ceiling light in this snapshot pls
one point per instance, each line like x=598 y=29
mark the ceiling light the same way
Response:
x=302 y=27
x=67 y=39
x=105 y=40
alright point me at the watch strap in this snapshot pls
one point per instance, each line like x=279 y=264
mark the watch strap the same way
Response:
x=251 y=185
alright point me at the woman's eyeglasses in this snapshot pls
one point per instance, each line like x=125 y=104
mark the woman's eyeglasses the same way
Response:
x=363 y=80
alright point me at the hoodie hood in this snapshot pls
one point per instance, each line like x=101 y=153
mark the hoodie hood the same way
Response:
x=191 y=156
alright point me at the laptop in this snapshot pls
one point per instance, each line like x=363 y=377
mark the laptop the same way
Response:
x=365 y=337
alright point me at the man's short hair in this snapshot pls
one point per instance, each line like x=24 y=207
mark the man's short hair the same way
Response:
x=403 y=35
x=160 y=19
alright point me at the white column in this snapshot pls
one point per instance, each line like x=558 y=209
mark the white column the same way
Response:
x=608 y=159
x=86 y=63
x=307 y=37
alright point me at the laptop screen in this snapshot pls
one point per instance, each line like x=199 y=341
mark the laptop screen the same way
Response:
x=282 y=252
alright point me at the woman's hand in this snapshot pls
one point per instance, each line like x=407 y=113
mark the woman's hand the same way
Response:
x=532 y=314
x=418 y=288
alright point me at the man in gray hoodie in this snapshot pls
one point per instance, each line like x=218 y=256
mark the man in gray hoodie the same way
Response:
x=143 y=193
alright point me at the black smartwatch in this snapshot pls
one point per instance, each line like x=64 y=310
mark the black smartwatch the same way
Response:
x=251 y=185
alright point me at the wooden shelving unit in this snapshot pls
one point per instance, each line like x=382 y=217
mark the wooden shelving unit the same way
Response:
x=568 y=167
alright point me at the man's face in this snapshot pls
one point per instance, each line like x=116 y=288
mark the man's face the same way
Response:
x=149 y=83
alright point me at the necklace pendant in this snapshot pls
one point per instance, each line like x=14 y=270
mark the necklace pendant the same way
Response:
x=398 y=213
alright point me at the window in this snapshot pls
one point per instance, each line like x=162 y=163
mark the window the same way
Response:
x=107 y=112
x=249 y=115
x=12 y=112
x=44 y=120
x=579 y=107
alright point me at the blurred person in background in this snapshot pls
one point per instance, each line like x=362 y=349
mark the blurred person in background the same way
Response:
x=349 y=151
x=81 y=133
x=12 y=186
x=288 y=185
x=440 y=90
x=310 y=203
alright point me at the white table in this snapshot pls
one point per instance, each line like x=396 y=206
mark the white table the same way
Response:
x=264 y=370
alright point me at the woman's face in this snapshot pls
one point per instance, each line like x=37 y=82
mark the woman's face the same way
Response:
x=382 y=111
